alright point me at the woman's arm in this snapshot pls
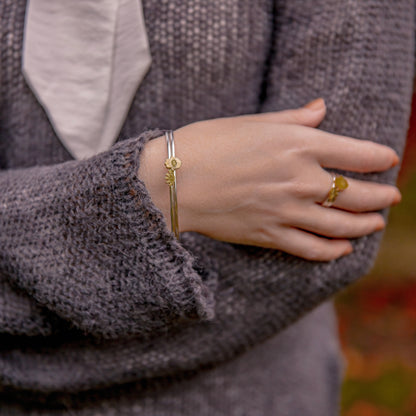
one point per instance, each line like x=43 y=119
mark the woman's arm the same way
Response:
x=76 y=249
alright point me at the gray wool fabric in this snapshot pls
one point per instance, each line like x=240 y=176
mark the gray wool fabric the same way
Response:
x=102 y=311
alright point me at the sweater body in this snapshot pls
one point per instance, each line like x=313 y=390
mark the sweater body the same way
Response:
x=102 y=311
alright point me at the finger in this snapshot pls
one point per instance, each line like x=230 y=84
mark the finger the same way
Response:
x=336 y=223
x=363 y=196
x=309 y=246
x=310 y=115
x=340 y=152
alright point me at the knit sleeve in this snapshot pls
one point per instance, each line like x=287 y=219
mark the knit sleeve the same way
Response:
x=359 y=56
x=83 y=240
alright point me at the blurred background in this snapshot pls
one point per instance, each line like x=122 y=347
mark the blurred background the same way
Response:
x=377 y=316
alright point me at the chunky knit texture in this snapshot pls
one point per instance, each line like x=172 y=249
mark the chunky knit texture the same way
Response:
x=102 y=311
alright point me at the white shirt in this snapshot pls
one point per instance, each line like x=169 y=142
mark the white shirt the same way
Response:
x=84 y=60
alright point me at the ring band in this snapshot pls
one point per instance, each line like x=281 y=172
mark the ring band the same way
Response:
x=172 y=163
x=339 y=184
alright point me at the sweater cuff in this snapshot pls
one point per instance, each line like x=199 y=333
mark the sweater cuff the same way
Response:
x=190 y=278
x=94 y=250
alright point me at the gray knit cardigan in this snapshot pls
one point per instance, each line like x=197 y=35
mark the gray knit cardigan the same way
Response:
x=102 y=311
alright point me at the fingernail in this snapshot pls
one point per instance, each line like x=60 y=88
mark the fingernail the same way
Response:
x=380 y=226
x=396 y=161
x=397 y=198
x=316 y=105
x=348 y=250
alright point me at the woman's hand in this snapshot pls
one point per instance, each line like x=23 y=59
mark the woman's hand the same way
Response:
x=259 y=180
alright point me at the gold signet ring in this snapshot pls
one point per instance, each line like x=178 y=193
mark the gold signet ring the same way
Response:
x=339 y=184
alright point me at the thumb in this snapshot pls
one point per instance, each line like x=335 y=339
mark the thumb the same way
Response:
x=315 y=105
x=310 y=115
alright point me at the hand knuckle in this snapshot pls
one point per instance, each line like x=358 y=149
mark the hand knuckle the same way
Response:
x=301 y=189
x=265 y=236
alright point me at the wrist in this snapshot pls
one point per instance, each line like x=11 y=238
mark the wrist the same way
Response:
x=152 y=172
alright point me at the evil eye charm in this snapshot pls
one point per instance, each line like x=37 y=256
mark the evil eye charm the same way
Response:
x=173 y=163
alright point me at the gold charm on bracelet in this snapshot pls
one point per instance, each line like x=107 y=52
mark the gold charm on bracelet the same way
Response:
x=172 y=164
x=170 y=177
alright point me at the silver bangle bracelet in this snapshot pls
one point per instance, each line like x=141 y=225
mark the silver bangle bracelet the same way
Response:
x=172 y=163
